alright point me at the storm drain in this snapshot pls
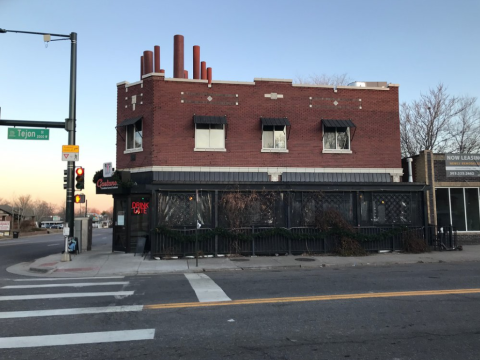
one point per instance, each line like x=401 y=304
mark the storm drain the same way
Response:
x=305 y=259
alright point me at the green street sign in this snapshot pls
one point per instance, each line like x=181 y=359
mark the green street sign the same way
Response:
x=28 y=134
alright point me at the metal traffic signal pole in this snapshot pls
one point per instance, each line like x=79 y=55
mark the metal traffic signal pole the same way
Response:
x=69 y=125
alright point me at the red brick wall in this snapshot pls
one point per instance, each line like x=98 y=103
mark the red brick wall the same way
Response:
x=169 y=130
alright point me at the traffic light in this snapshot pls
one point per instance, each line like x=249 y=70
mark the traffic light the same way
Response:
x=65 y=177
x=80 y=185
x=79 y=199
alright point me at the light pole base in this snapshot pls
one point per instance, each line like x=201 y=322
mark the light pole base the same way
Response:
x=66 y=257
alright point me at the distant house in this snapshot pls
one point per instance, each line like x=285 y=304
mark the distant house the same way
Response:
x=9 y=213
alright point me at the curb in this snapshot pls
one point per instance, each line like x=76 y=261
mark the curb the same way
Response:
x=43 y=270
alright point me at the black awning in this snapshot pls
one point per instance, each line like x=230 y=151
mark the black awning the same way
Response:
x=275 y=121
x=338 y=123
x=209 y=119
x=129 y=121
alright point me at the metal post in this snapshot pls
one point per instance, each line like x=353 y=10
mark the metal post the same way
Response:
x=196 y=227
x=253 y=241
x=71 y=124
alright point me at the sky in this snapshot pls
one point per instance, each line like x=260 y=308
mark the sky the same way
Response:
x=417 y=44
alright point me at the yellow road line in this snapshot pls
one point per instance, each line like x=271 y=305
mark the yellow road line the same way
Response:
x=313 y=298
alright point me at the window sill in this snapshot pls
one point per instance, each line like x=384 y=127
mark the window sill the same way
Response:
x=128 y=151
x=210 y=149
x=334 y=151
x=275 y=150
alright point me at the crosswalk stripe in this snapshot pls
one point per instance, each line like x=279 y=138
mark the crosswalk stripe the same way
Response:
x=72 y=278
x=74 y=311
x=75 y=339
x=65 y=285
x=206 y=289
x=65 y=295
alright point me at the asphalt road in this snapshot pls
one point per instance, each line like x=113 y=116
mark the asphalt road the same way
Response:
x=323 y=313
x=29 y=248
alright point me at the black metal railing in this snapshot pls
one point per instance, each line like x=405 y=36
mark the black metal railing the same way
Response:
x=442 y=237
x=277 y=243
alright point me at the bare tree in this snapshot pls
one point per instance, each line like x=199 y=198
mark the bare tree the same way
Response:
x=324 y=79
x=22 y=204
x=42 y=209
x=464 y=133
x=61 y=211
x=424 y=123
x=109 y=213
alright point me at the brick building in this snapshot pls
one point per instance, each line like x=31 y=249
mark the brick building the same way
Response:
x=178 y=135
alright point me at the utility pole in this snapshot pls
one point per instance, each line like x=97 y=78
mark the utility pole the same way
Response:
x=69 y=124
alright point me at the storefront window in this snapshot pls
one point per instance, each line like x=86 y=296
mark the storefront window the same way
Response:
x=473 y=216
x=443 y=207
x=182 y=209
x=458 y=207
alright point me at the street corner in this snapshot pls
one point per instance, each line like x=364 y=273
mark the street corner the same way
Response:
x=43 y=267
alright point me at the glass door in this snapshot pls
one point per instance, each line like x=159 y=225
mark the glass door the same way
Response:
x=119 y=242
x=139 y=221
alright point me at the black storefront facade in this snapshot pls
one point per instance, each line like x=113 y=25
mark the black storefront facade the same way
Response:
x=163 y=208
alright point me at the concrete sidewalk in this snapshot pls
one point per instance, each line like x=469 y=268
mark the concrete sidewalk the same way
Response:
x=102 y=262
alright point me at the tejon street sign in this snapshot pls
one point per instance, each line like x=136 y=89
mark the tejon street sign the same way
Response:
x=28 y=134
x=70 y=152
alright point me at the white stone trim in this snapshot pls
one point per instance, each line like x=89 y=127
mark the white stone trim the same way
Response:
x=232 y=82
x=129 y=151
x=279 y=170
x=274 y=96
x=315 y=86
x=153 y=74
x=274 y=150
x=210 y=149
x=336 y=151
x=393 y=85
x=362 y=88
x=134 y=83
x=275 y=80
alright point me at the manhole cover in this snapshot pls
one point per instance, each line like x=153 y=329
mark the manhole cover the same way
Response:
x=239 y=259
x=305 y=259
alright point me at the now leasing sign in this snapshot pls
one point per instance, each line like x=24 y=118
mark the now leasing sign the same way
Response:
x=462 y=165
x=28 y=134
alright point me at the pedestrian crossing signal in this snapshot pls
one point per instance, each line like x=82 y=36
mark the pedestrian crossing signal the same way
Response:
x=79 y=199
x=80 y=179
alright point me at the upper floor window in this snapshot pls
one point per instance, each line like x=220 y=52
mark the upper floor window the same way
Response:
x=210 y=133
x=274 y=135
x=336 y=138
x=336 y=135
x=209 y=136
x=134 y=136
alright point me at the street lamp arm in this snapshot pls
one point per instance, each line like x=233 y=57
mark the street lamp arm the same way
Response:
x=3 y=31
